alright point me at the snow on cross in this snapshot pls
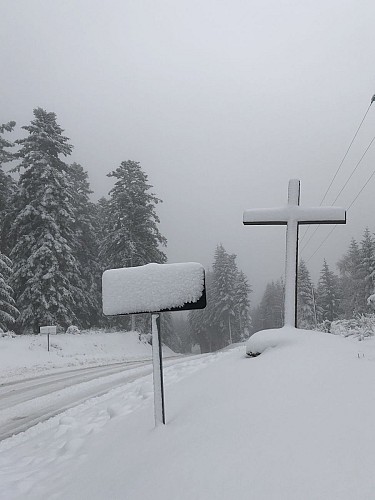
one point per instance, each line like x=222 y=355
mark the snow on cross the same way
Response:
x=154 y=288
x=292 y=215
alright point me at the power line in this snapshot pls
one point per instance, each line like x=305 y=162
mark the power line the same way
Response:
x=350 y=206
x=347 y=151
x=354 y=169
x=338 y=169
x=363 y=187
x=342 y=189
x=311 y=237
x=322 y=243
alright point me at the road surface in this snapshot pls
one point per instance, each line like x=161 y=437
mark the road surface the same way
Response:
x=25 y=403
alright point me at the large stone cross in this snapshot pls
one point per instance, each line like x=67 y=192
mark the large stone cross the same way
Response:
x=292 y=215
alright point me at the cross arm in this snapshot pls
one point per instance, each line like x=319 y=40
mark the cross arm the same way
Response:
x=282 y=215
x=266 y=216
x=321 y=215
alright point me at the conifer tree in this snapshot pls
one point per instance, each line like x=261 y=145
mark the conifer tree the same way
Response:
x=7 y=187
x=8 y=310
x=270 y=312
x=47 y=282
x=350 y=281
x=86 y=245
x=183 y=332
x=305 y=298
x=328 y=297
x=202 y=321
x=242 y=307
x=101 y=226
x=5 y=155
x=167 y=332
x=132 y=236
x=366 y=270
x=223 y=294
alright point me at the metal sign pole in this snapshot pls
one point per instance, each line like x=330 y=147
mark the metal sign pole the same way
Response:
x=157 y=362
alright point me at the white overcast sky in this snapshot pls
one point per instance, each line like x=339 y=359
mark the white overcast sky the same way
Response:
x=221 y=101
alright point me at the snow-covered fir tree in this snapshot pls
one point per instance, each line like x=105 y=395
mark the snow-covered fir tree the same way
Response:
x=203 y=325
x=306 y=308
x=7 y=186
x=8 y=310
x=101 y=226
x=5 y=145
x=328 y=295
x=366 y=270
x=225 y=273
x=183 y=332
x=270 y=312
x=167 y=333
x=47 y=282
x=350 y=281
x=132 y=236
x=86 y=245
x=242 y=307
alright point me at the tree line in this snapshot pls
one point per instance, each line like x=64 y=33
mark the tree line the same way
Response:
x=54 y=241
x=55 y=244
x=347 y=294
x=226 y=319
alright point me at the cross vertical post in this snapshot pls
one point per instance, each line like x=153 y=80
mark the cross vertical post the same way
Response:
x=292 y=215
x=291 y=259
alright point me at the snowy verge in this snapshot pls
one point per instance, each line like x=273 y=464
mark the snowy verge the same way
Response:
x=27 y=355
x=294 y=423
x=31 y=462
x=265 y=340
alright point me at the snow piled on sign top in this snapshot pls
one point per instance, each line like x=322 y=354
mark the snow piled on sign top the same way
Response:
x=151 y=288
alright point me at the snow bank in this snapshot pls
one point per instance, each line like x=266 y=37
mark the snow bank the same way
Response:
x=153 y=287
x=294 y=423
x=286 y=336
x=27 y=355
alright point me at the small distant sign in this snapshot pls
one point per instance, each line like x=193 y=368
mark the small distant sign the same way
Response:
x=48 y=330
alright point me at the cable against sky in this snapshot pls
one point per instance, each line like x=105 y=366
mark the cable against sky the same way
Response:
x=337 y=171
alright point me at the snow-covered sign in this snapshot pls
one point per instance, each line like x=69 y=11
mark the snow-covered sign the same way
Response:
x=48 y=330
x=292 y=215
x=154 y=288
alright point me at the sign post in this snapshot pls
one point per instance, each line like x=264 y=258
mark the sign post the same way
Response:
x=154 y=288
x=157 y=362
x=292 y=215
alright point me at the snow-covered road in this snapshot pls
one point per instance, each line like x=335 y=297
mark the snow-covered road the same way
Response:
x=30 y=401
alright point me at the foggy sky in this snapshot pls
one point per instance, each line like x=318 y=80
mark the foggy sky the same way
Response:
x=221 y=101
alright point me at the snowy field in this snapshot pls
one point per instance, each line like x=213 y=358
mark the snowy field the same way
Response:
x=27 y=355
x=295 y=422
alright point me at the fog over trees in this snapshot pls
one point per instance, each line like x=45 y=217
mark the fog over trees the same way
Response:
x=342 y=295
x=55 y=243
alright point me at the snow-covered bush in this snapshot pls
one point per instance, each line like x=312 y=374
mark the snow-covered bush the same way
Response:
x=360 y=327
x=324 y=326
x=73 y=330
x=145 y=338
x=8 y=334
x=371 y=301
